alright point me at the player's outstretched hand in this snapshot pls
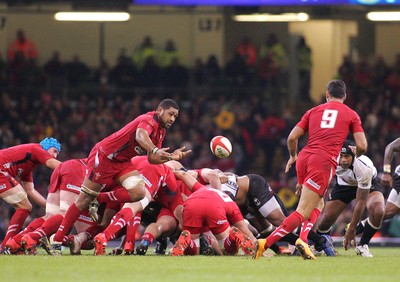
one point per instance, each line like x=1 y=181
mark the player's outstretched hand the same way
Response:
x=180 y=153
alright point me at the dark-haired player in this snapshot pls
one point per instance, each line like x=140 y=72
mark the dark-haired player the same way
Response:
x=111 y=159
x=356 y=178
x=328 y=126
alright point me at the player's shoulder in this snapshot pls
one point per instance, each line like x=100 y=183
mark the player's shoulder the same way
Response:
x=363 y=161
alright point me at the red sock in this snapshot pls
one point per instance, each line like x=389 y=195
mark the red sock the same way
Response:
x=119 y=221
x=30 y=228
x=191 y=250
x=288 y=225
x=120 y=195
x=230 y=245
x=69 y=220
x=308 y=224
x=16 y=222
x=132 y=227
x=48 y=227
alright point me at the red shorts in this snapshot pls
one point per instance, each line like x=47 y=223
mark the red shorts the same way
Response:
x=101 y=170
x=86 y=218
x=197 y=216
x=315 y=172
x=167 y=212
x=7 y=182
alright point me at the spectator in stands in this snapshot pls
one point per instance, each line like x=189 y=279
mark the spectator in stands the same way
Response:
x=77 y=71
x=213 y=70
x=102 y=75
x=237 y=71
x=143 y=51
x=169 y=54
x=304 y=64
x=175 y=75
x=125 y=73
x=23 y=45
x=3 y=74
x=346 y=71
x=274 y=51
x=269 y=134
x=199 y=72
x=55 y=70
x=247 y=51
x=380 y=70
x=363 y=73
x=150 y=73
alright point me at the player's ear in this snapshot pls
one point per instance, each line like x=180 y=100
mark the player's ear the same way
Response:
x=345 y=96
x=327 y=95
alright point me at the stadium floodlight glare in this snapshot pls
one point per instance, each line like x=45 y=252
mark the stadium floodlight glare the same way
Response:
x=92 y=16
x=265 y=17
x=384 y=16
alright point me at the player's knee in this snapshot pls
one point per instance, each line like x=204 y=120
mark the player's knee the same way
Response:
x=379 y=213
x=135 y=187
x=133 y=182
x=390 y=213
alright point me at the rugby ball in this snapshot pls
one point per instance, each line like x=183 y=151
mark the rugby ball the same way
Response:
x=220 y=146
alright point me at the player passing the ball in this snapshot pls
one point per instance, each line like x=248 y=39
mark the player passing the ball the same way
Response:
x=328 y=126
x=111 y=159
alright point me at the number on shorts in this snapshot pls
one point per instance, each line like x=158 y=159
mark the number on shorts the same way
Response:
x=329 y=118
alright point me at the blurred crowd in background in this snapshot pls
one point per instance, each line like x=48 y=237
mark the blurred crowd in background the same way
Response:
x=80 y=105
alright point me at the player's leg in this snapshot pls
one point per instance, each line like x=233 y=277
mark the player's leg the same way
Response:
x=89 y=191
x=329 y=215
x=392 y=206
x=18 y=199
x=376 y=209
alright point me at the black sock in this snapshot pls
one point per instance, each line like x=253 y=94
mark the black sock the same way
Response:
x=290 y=238
x=369 y=232
x=275 y=248
x=360 y=228
x=317 y=239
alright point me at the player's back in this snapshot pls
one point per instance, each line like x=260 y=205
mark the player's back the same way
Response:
x=328 y=125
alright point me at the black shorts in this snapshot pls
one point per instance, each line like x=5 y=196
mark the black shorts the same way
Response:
x=396 y=182
x=347 y=194
x=150 y=213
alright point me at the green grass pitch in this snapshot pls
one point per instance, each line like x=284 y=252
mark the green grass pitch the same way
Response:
x=347 y=266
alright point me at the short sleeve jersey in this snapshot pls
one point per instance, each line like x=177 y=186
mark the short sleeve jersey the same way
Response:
x=121 y=146
x=68 y=176
x=211 y=196
x=360 y=174
x=21 y=160
x=155 y=176
x=328 y=126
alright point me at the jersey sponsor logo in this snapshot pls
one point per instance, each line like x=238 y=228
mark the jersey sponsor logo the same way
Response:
x=7 y=165
x=3 y=186
x=73 y=187
x=257 y=202
x=86 y=218
x=313 y=184
x=221 y=221
x=148 y=183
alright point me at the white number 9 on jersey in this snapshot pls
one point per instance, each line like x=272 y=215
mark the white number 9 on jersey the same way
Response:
x=329 y=118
